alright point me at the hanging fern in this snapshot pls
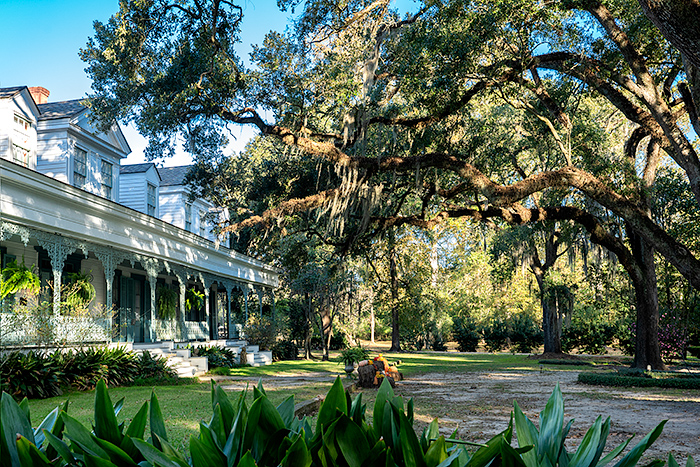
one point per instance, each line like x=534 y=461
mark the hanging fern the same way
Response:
x=80 y=291
x=16 y=277
x=167 y=298
x=193 y=299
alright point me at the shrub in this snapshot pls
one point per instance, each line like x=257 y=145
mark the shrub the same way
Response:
x=614 y=379
x=216 y=356
x=673 y=335
x=353 y=354
x=525 y=334
x=154 y=369
x=262 y=435
x=496 y=335
x=261 y=332
x=466 y=334
x=338 y=341
x=590 y=331
x=29 y=375
x=83 y=368
x=438 y=344
x=285 y=350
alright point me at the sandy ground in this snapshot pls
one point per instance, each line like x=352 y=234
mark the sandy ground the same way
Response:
x=478 y=405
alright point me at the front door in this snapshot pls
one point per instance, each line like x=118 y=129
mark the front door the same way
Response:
x=131 y=311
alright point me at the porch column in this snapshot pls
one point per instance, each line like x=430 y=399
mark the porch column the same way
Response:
x=58 y=251
x=245 y=304
x=109 y=259
x=259 y=291
x=229 y=293
x=274 y=303
x=207 y=311
x=151 y=267
x=182 y=281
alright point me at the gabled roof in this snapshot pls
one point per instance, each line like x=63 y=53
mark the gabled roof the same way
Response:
x=54 y=110
x=139 y=168
x=9 y=92
x=171 y=176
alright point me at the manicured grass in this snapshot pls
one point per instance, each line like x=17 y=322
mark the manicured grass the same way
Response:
x=183 y=407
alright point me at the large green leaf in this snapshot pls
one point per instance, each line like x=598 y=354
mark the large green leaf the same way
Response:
x=96 y=461
x=106 y=426
x=357 y=409
x=57 y=431
x=228 y=412
x=30 y=455
x=286 y=411
x=263 y=422
x=613 y=454
x=436 y=453
x=60 y=448
x=527 y=435
x=587 y=450
x=216 y=428
x=156 y=457
x=429 y=432
x=157 y=423
x=136 y=429
x=335 y=401
x=13 y=422
x=47 y=424
x=80 y=435
x=351 y=441
x=24 y=405
x=408 y=441
x=204 y=455
x=232 y=449
x=116 y=454
x=551 y=423
x=247 y=461
x=384 y=394
x=636 y=452
x=297 y=455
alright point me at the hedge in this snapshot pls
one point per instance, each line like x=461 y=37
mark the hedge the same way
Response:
x=612 y=379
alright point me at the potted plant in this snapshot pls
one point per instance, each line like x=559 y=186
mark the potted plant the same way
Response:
x=167 y=301
x=352 y=356
x=79 y=292
x=15 y=277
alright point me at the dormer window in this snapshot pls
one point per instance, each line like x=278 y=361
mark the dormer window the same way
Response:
x=151 y=200
x=202 y=224
x=188 y=217
x=80 y=168
x=106 y=173
x=21 y=141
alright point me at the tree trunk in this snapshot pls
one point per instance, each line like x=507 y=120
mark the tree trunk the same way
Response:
x=394 y=284
x=647 y=350
x=307 y=327
x=326 y=330
x=550 y=317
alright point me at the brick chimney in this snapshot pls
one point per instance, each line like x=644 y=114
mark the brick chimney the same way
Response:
x=40 y=95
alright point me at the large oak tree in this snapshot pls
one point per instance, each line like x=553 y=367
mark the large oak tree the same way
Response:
x=443 y=113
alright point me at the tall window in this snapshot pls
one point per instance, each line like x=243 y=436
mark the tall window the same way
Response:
x=21 y=141
x=106 y=172
x=202 y=224
x=151 y=200
x=188 y=217
x=79 y=167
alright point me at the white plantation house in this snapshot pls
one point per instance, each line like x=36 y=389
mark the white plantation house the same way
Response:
x=68 y=205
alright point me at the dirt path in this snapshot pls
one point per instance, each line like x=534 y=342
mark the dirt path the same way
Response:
x=478 y=405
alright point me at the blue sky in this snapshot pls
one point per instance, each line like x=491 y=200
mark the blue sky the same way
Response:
x=41 y=38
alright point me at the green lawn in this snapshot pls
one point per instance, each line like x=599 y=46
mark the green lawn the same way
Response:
x=184 y=406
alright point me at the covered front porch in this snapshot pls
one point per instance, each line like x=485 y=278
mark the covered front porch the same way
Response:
x=131 y=259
